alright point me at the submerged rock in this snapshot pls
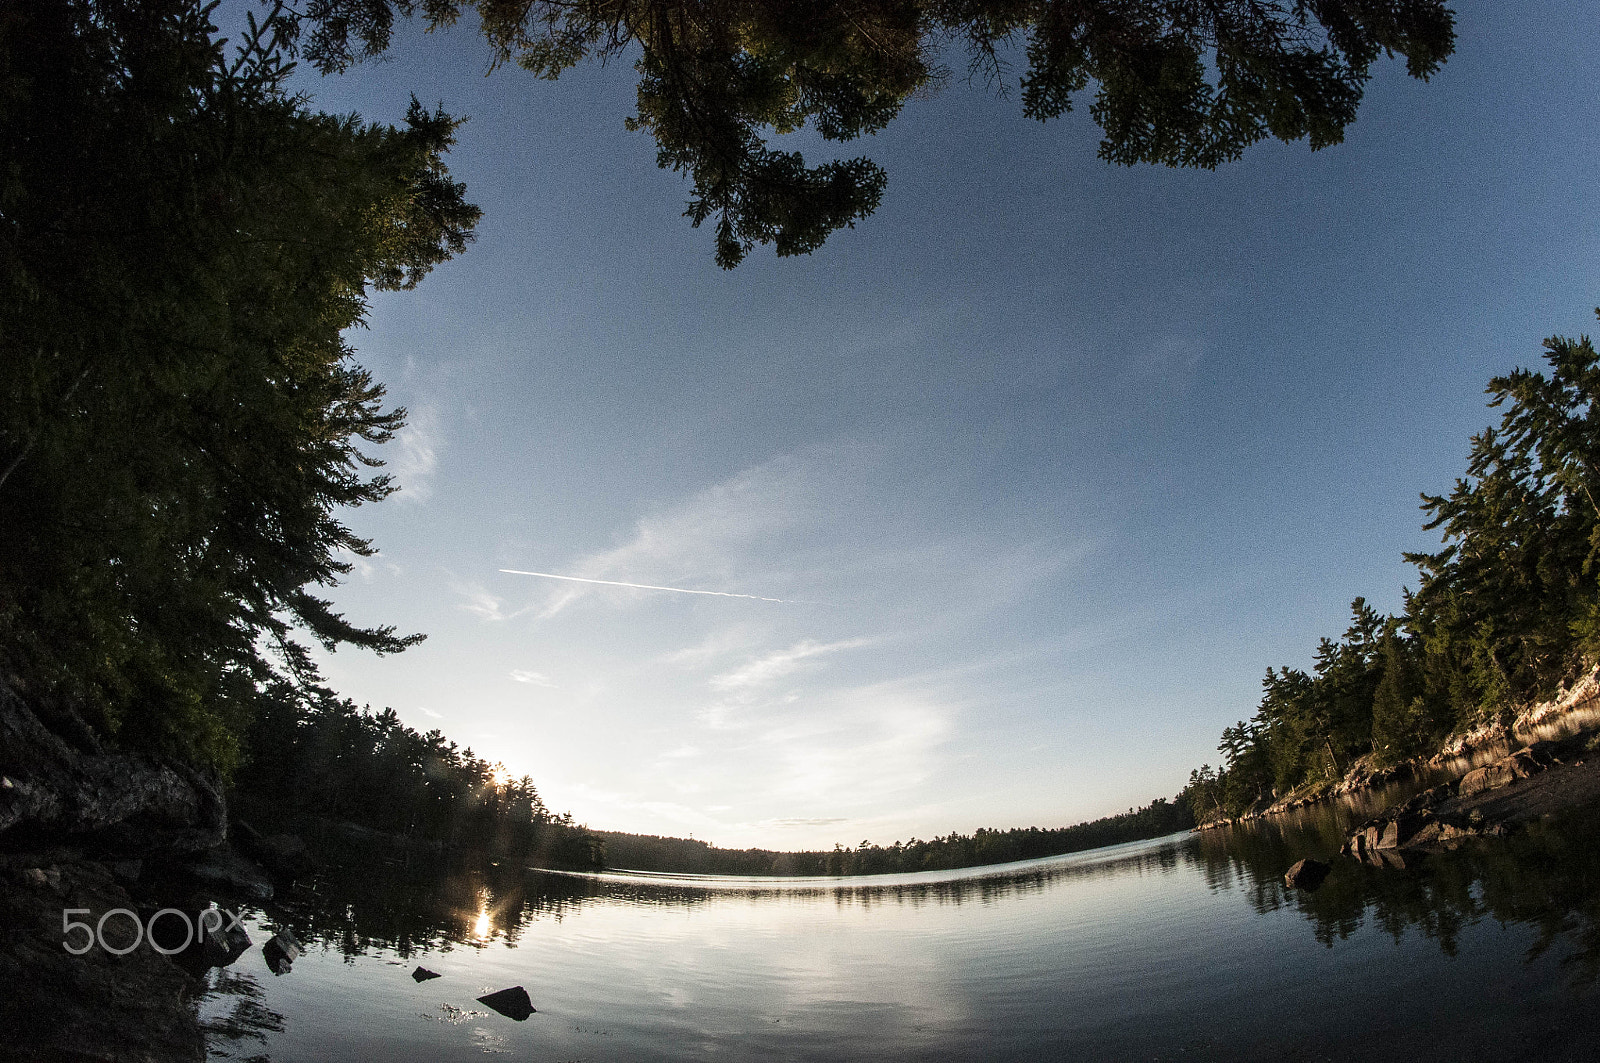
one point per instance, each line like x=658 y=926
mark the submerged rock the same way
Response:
x=512 y=1003
x=422 y=974
x=1306 y=875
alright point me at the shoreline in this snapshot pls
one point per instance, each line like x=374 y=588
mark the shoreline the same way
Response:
x=1487 y=782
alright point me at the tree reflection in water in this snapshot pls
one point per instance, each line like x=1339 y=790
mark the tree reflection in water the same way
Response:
x=1546 y=877
x=245 y=1018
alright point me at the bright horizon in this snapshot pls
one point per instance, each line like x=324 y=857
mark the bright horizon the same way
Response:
x=993 y=511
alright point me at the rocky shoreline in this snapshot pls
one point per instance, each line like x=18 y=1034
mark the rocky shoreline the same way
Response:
x=1536 y=782
x=1574 y=713
x=84 y=832
x=1486 y=783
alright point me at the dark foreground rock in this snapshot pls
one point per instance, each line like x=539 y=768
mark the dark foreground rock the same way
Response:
x=52 y=792
x=55 y=1006
x=512 y=1003
x=422 y=974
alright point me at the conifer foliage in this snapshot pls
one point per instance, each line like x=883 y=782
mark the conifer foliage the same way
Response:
x=1505 y=613
x=182 y=245
x=314 y=755
x=1176 y=82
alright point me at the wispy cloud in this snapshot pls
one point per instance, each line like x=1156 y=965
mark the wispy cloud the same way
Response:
x=710 y=541
x=804 y=821
x=430 y=712
x=875 y=742
x=415 y=455
x=538 y=679
x=719 y=643
x=775 y=666
x=482 y=604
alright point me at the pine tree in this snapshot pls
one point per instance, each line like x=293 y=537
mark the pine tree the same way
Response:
x=182 y=246
x=1176 y=82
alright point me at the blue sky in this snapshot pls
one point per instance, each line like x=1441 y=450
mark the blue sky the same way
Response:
x=1048 y=460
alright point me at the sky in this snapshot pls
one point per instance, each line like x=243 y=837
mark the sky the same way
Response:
x=1011 y=494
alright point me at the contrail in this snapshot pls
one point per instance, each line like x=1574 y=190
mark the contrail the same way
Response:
x=645 y=586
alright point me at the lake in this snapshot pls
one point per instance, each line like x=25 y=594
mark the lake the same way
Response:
x=1179 y=948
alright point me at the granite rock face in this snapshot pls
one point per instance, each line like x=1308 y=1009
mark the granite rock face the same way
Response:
x=54 y=791
x=1505 y=771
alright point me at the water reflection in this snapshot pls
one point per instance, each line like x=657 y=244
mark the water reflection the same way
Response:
x=240 y=1020
x=1547 y=878
x=1097 y=952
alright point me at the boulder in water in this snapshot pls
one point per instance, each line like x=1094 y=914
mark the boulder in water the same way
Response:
x=281 y=952
x=512 y=1003
x=1306 y=875
x=422 y=974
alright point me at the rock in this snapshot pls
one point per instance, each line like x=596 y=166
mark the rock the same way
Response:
x=1430 y=832
x=512 y=1003
x=134 y=1008
x=1504 y=771
x=1401 y=830
x=227 y=870
x=1389 y=836
x=285 y=856
x=123 y=800
x=126 y=872
x=422 y=974
x=207 y=936
x=1396 y=860
x=225 y=938
x=245 y=837
x=1306 y=875
x=281 y=952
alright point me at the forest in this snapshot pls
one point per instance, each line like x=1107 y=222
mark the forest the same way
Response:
x=324 y=758
x=642 y=852
x=185 y=245
x=1504 y=614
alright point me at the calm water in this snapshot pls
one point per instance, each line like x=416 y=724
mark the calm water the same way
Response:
x=1181 y=948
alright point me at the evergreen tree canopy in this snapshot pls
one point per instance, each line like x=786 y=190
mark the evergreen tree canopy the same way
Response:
x=1505 y=613
x=1513 y=601
x=1179 y=82
x=182 y=245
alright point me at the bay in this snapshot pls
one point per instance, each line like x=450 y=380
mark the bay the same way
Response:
x=1187 y=947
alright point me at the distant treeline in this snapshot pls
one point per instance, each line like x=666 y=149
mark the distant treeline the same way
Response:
x=646 y=852
x=1505 y=614
x=322 y=756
